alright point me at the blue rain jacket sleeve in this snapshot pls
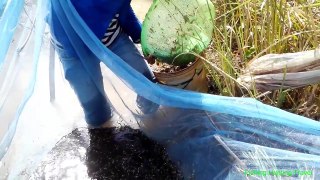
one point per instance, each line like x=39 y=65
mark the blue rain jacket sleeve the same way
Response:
x=98 y=14
x=130 y=23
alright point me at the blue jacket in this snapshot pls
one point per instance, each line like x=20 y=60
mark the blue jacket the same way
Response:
x=98 y=14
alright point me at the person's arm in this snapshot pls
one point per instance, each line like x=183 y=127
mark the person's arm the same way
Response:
x=98 y=13
x=110 y=6
x=130 y=23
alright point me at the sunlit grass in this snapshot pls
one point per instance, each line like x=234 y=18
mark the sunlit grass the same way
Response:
x=246 y=30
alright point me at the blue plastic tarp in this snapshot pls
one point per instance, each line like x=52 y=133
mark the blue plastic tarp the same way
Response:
x=208 y=136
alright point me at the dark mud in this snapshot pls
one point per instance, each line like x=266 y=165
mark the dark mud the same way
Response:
x=111 y=153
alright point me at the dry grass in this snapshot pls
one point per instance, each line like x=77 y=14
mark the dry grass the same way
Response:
x=248 y=29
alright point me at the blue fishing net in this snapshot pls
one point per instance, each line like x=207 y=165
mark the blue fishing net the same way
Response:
x=207 y=136
x=2 y=6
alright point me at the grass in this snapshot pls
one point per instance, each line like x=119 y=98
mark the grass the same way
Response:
x=248 y=29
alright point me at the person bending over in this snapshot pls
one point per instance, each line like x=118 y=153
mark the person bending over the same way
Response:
x=114 y=22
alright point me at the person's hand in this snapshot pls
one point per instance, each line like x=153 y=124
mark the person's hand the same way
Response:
x=150 y=59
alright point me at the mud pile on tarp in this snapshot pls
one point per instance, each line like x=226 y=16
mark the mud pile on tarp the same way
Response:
x=114 y=153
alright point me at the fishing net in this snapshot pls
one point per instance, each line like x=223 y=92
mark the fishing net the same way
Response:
x=205 y=136
x=187 y=28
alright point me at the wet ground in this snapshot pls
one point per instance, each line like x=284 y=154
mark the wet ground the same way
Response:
x=114 y=153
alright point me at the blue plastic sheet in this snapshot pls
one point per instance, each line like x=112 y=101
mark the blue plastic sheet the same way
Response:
x=8 y=21
x=2 y=6
x=17 y=72
x=269 y=125
x=208 y=136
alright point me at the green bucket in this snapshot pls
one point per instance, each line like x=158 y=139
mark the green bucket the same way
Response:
x=173 y=29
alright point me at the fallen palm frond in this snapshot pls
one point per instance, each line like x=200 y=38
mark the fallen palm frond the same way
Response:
x=282 y=71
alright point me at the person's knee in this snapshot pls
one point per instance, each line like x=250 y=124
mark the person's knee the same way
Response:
x=97 y=111
x=73 y=72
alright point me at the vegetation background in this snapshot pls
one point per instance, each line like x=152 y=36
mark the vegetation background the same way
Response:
x=248 y=29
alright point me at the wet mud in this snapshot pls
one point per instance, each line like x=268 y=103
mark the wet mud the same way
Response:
x=114 y=153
